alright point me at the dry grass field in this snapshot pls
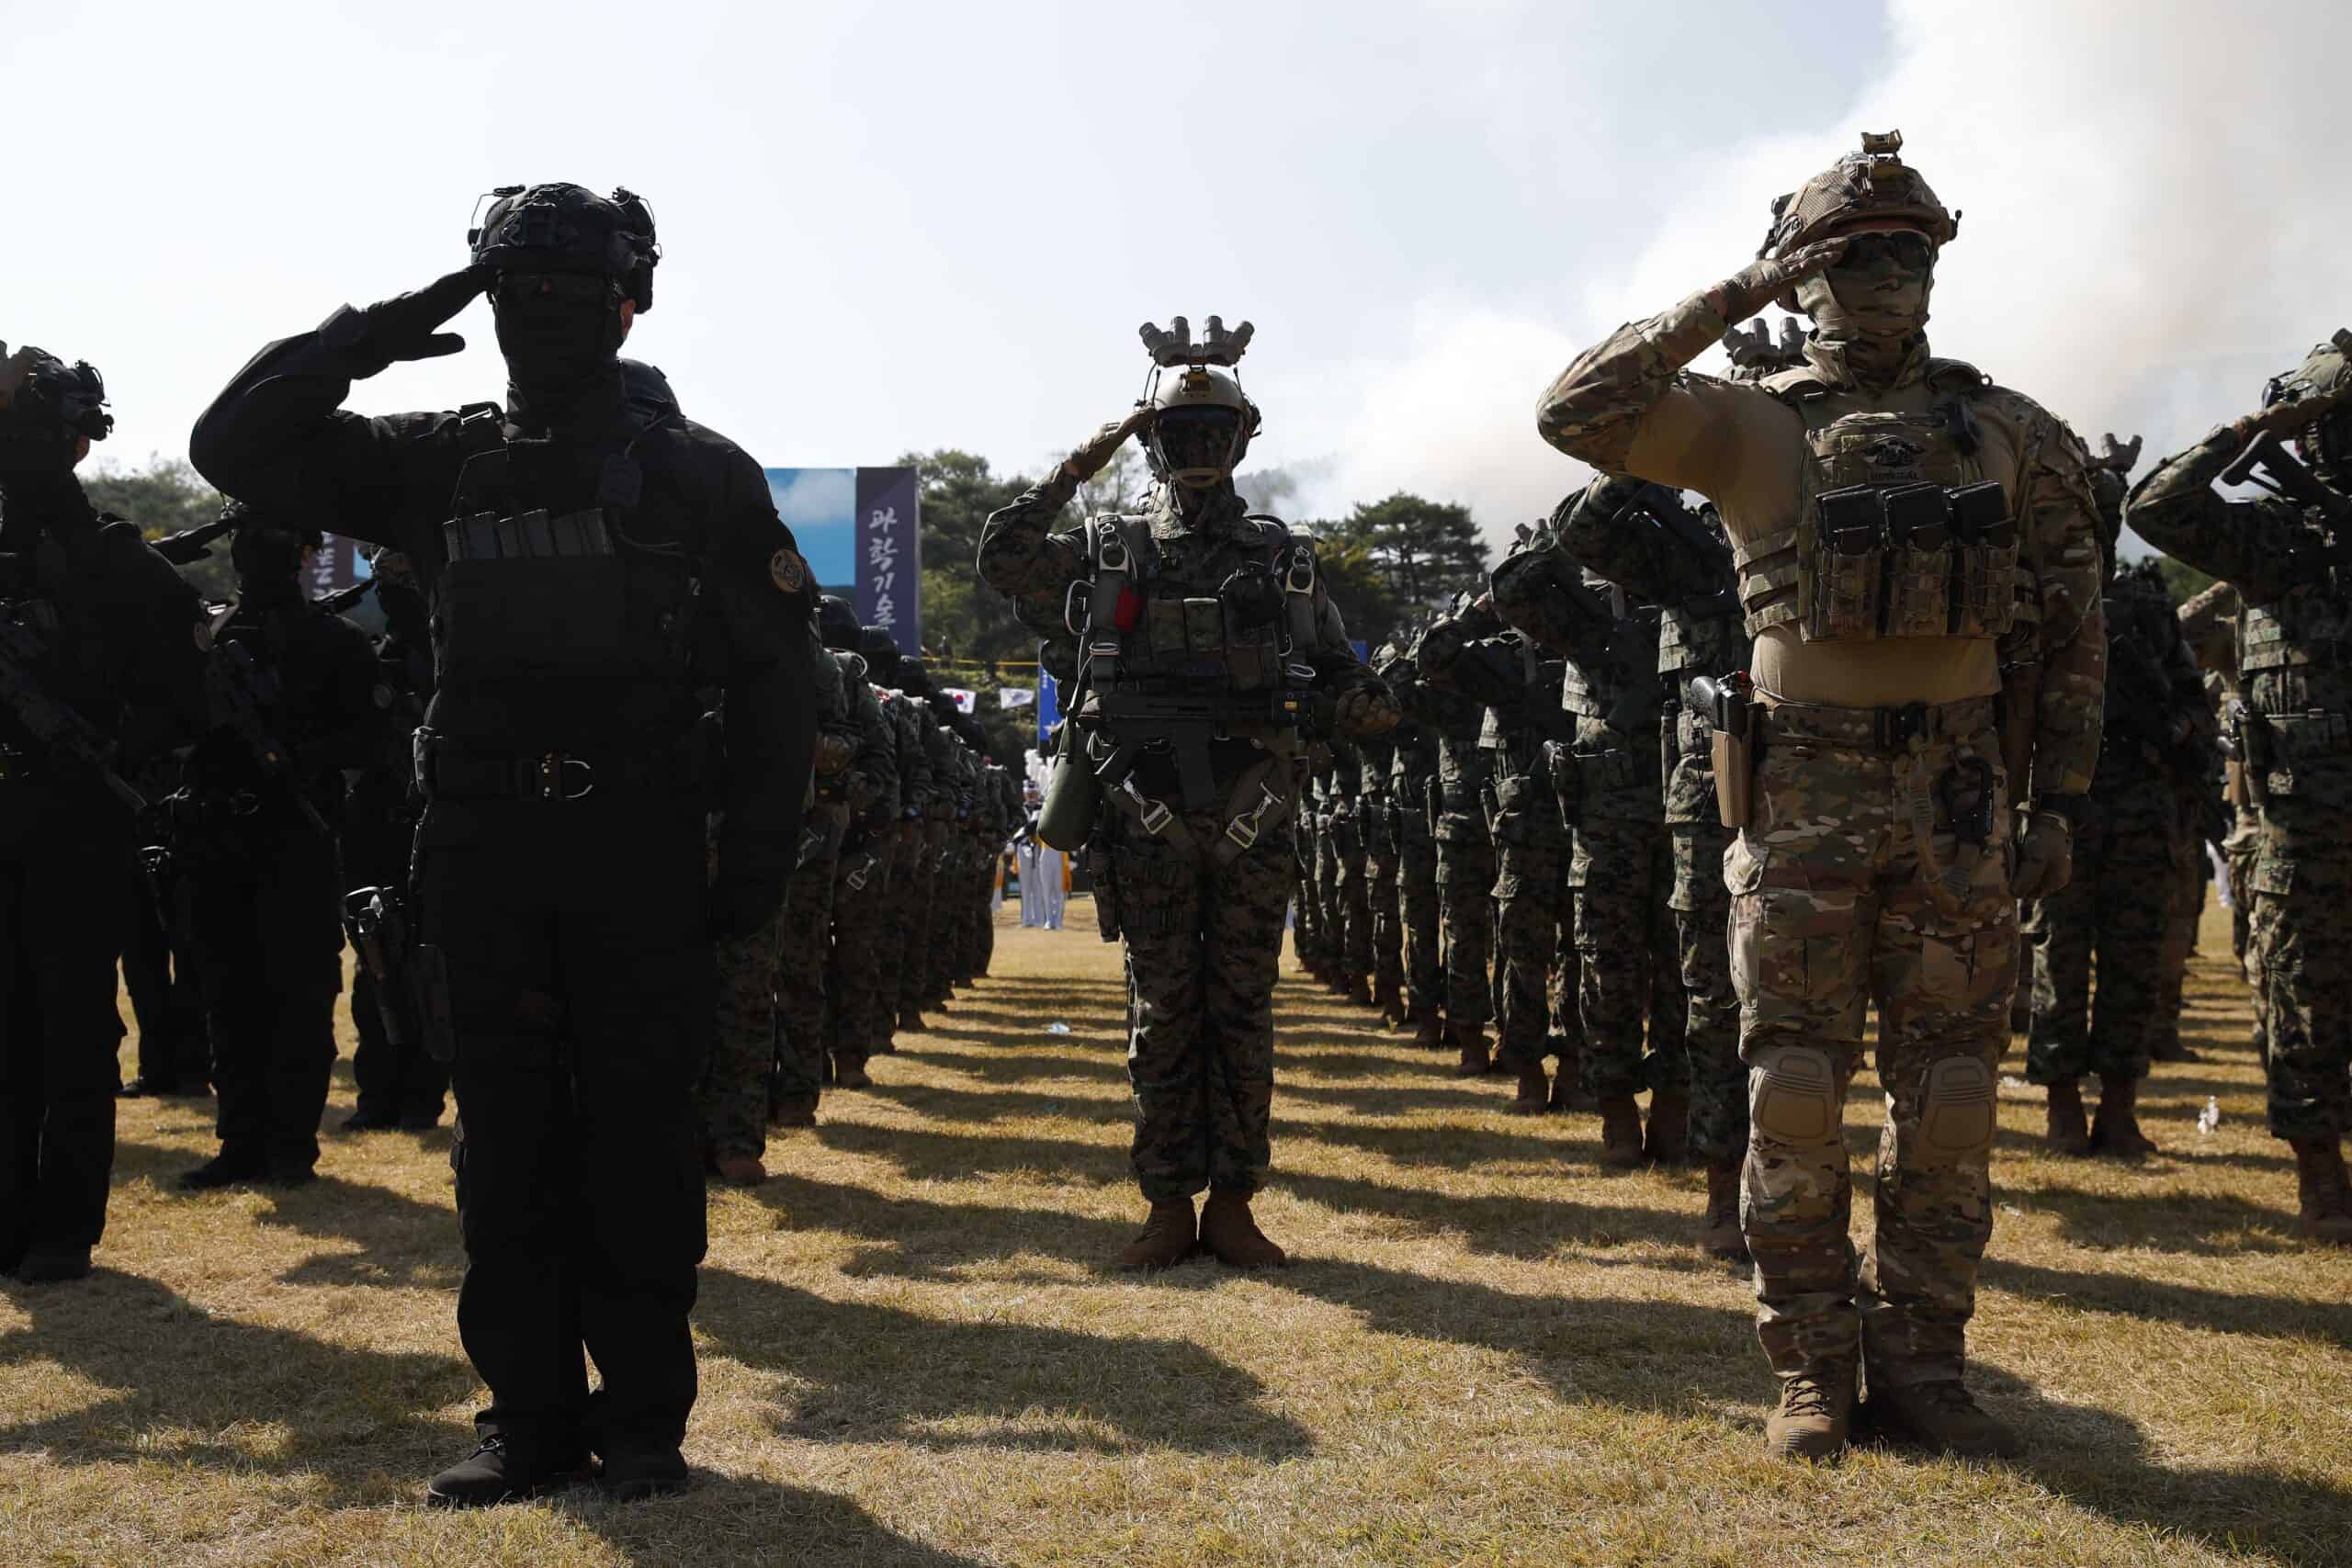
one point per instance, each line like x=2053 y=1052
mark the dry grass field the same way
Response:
x=1487 y=1351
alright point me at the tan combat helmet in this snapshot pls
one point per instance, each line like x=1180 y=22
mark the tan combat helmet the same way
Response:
x=2325 y=443
x=1869 y=189
x=1203 y=419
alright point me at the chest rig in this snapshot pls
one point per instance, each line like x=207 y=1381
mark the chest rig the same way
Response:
x=542 y=577
x=2295 y=667
x=1192 y=662
x=1899 y=533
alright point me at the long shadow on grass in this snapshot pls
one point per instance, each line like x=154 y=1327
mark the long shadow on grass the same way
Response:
x=881 y=1375
x=2192 y=1306
x=1653 y=1353
x=402 y=1242
x=731 y=1518
x=2159 y=1220
x=2101 y=1460
x=1502 y=1225
x=351 y=1414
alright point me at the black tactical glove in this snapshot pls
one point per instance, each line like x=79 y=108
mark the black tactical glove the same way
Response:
x=403 y=327
x=2045 y=856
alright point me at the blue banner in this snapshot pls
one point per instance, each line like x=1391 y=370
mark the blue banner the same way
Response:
x=1049 y=707
x=889 y=555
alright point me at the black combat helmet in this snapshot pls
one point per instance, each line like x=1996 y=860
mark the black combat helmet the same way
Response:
x=567 y=228
x=837 y=625
x=881 y=653
x=46 y=406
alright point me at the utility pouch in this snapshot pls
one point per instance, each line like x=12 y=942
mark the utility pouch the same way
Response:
x=430 y=975
x=2257 y=751
x=1728 y=704
x=1104 y=881
x=1918 y=560
x=1984 y=595
x=1567 y=782
x=1849 y=549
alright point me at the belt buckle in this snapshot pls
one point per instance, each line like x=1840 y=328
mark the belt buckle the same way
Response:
x=552 y=783
x=1897 y=726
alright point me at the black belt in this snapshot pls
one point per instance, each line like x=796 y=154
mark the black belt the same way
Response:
x=1878 y=729
x=444 y=772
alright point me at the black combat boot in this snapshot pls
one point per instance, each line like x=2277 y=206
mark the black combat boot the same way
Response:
x=2067 y=1130
x=493 y=1473
x=634 y=1475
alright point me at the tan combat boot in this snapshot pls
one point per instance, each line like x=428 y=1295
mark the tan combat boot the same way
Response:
x=1431 y=1033
x=2067 y=1131
x=1621 y=1131
x=1566 y=1094
x=2115 y=1131
x=1942 y=1417
x=1719 y=1234
x=1476 y=1060
x=1166 y=1240
x=1668 y=1139
x=1389 y=998
x=799 y=1111
x=1228 y=1230
x=741 y=1169
x=2326 y=1207
x=1534 y=1094
x=1357 y=989
x=849 y=1072
x=1816 y=1411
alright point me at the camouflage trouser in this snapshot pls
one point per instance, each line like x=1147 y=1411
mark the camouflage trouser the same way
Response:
x=1624 y=878
x=1830 y=908
x=1330 y=917
x=950 y=915
x=2241 y=849
x=1531 y=904
x=920 y=909
x=1711 y=1011
x=1203 y=942
x=2189 y=872
x=2301 y=953
x=905 y=850
x=1418 y=912
x=983 y=916
x=1465 y=881
x=1382 y=874
x=807 y=947
x=1354 y=897
x=2114 y=910
x=733 y=1099
x=854 y=1014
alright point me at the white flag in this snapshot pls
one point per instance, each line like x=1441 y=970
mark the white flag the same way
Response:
x=1016 y=696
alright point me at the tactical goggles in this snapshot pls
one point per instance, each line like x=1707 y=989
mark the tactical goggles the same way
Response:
x=1906 y=248
x=555 y=288
x=1197 y=437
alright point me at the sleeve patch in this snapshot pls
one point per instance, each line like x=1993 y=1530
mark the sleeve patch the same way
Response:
x=787 y=571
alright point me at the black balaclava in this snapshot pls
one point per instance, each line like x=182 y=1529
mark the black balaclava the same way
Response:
x=268 y=558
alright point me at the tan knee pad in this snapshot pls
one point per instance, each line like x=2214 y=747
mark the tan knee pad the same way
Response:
x=1956 y=1111
x=1793 y=1095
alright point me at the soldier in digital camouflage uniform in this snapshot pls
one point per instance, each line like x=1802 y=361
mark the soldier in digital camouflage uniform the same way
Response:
x=2130 y=846
x=861 y=873
x=1207 y=629
x=1641 y=538
x=1534 y=917
x=1412 y=779
x=1376 y=818
x=1465 y=845
x=1892 y=604
x=1351 y=887
x=1621 y=875
x=916 y=791
x=760 y=1003
x=918 y=906
x=2287 y=559
x=2208 y=623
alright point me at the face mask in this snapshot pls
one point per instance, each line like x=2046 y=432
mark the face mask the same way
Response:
x=1878 y=288
x=556 y=328
x=1199 y=439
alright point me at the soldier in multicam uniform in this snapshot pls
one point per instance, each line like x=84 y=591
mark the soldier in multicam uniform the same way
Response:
x=2287 y=556
x=1465 y=845
x=1914 y=542
x=2130 y=846
x=1207 y=634
x=1640 y=537
x=1412 y=784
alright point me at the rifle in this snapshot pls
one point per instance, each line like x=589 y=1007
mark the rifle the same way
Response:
x=242 y=692
x=1489 y=674
x=342 y=599
x=66 y=735
x=1187 y=725
x=2267 y=466
x=191 y=544
x=378 y=927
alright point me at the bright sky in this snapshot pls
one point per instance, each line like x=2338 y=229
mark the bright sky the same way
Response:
x=895 y=226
